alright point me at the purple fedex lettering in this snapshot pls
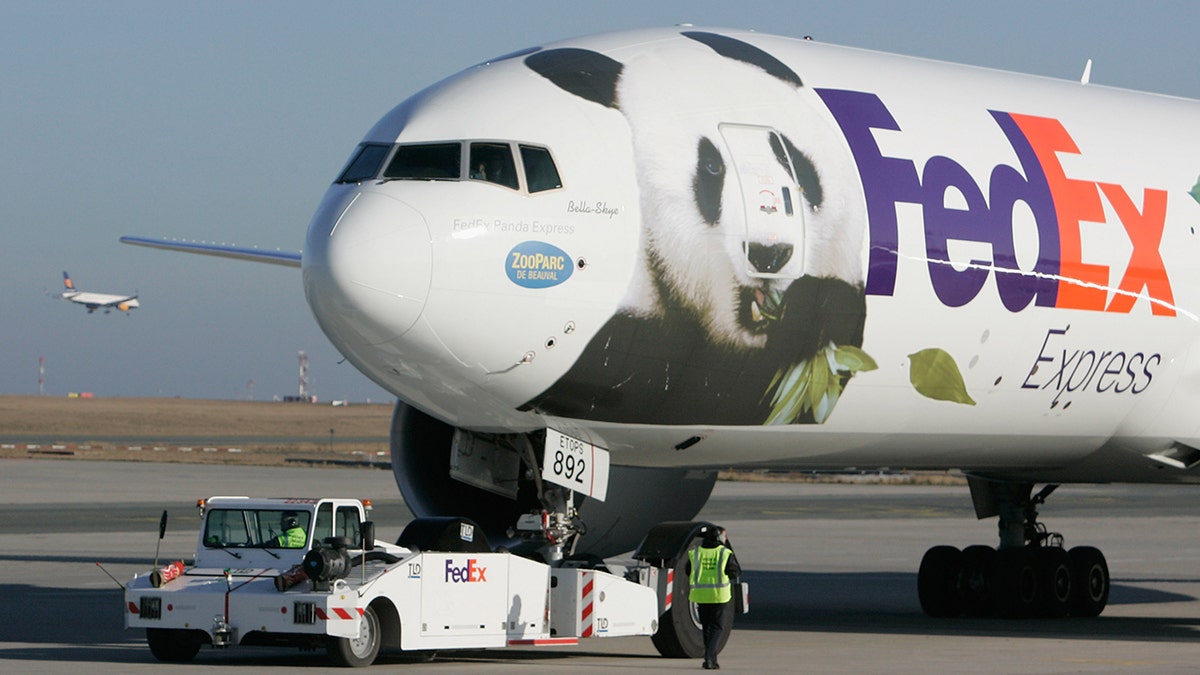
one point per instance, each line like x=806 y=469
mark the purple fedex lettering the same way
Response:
x=1007 y=188
x=891 y=180
x=886 y=180
x=953 y=287
x=469 y=573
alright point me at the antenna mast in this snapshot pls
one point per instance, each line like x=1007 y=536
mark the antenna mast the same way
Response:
x=303 y=376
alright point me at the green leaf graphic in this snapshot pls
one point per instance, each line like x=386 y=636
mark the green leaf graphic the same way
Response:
x=814 y=385
x=1195 y=193
x=853 y=359
x=935 y=375
x=818 y=382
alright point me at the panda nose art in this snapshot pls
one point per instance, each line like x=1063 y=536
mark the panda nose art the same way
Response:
x=768 y=258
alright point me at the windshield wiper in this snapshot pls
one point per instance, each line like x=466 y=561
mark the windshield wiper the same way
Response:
x=232 y=553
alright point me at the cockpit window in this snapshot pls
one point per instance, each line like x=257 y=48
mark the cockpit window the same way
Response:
x=365 y=163
x=493 y=162
x=429 y=161
x=540 y=172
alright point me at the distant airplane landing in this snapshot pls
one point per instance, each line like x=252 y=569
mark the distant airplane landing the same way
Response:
x=94 y=301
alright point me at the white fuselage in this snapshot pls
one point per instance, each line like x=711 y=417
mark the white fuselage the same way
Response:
x=1032 y=237
x=94 y=301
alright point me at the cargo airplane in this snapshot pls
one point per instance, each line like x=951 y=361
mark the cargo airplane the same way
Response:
x=94 y=301
x=620 y=262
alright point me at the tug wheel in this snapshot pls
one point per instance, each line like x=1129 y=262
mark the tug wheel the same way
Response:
x=172 y=645
x=360 y=651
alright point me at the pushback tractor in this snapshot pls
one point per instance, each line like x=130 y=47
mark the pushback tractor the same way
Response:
x=309 y=573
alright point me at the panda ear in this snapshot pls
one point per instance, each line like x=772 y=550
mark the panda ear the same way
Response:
x=582 y=72
x=746 y=53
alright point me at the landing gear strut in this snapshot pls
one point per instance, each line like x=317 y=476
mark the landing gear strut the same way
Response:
x=1030 y=574
x=557 y=527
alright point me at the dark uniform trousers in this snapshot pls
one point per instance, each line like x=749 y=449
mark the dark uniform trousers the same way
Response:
x=717 y=618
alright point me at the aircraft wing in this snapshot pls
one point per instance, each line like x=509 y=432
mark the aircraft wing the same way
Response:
x=285 y=258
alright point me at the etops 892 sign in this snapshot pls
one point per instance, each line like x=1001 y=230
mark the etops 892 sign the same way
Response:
x=576 y=464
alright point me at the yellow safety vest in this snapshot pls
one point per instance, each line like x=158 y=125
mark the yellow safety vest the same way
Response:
x=708 y=582
x=293 y=538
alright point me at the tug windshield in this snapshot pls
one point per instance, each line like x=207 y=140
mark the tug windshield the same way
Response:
x=256 y=528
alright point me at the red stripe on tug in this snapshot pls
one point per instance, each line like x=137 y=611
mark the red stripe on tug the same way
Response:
x=670 y=594
x=340 y=613
x=585 y=612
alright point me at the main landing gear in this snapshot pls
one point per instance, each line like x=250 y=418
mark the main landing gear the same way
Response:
x=1029 y=575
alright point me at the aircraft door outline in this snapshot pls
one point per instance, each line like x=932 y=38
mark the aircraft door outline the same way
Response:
x=772 y=201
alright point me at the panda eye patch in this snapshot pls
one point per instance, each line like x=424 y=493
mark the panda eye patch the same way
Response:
x=781 y=154
x=709 y=181
x=806 y=175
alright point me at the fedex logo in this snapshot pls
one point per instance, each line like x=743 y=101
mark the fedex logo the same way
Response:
x=1059 y=277
x=469 y=573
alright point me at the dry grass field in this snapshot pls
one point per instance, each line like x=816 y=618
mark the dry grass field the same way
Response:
x=251 y=432
x=191 y=430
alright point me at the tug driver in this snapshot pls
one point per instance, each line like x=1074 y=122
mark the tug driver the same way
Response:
x=293 y=535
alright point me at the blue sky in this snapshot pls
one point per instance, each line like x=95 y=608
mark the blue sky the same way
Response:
x=225 y=121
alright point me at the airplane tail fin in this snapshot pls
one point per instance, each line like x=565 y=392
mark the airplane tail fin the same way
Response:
x=70 y=285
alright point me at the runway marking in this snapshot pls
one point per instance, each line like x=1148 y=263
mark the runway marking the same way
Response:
x=1116 y=662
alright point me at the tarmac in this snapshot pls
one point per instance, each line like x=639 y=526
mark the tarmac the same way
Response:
x=832 y=573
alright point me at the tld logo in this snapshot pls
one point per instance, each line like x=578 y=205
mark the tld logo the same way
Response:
x=469 y=573
x=1060 y=276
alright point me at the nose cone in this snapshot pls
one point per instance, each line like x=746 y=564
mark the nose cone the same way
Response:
x=367 y=268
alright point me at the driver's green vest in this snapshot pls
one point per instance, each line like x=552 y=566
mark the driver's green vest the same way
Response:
x=709 y=583
x=292 y=538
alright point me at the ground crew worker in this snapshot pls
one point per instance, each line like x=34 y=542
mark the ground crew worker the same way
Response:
x=293 y=535
x=710 y=566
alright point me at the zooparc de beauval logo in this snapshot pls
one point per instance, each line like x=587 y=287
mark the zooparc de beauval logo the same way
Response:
x=1060 y=277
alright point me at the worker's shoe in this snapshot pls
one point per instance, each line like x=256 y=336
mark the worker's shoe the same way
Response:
x=711 y=665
